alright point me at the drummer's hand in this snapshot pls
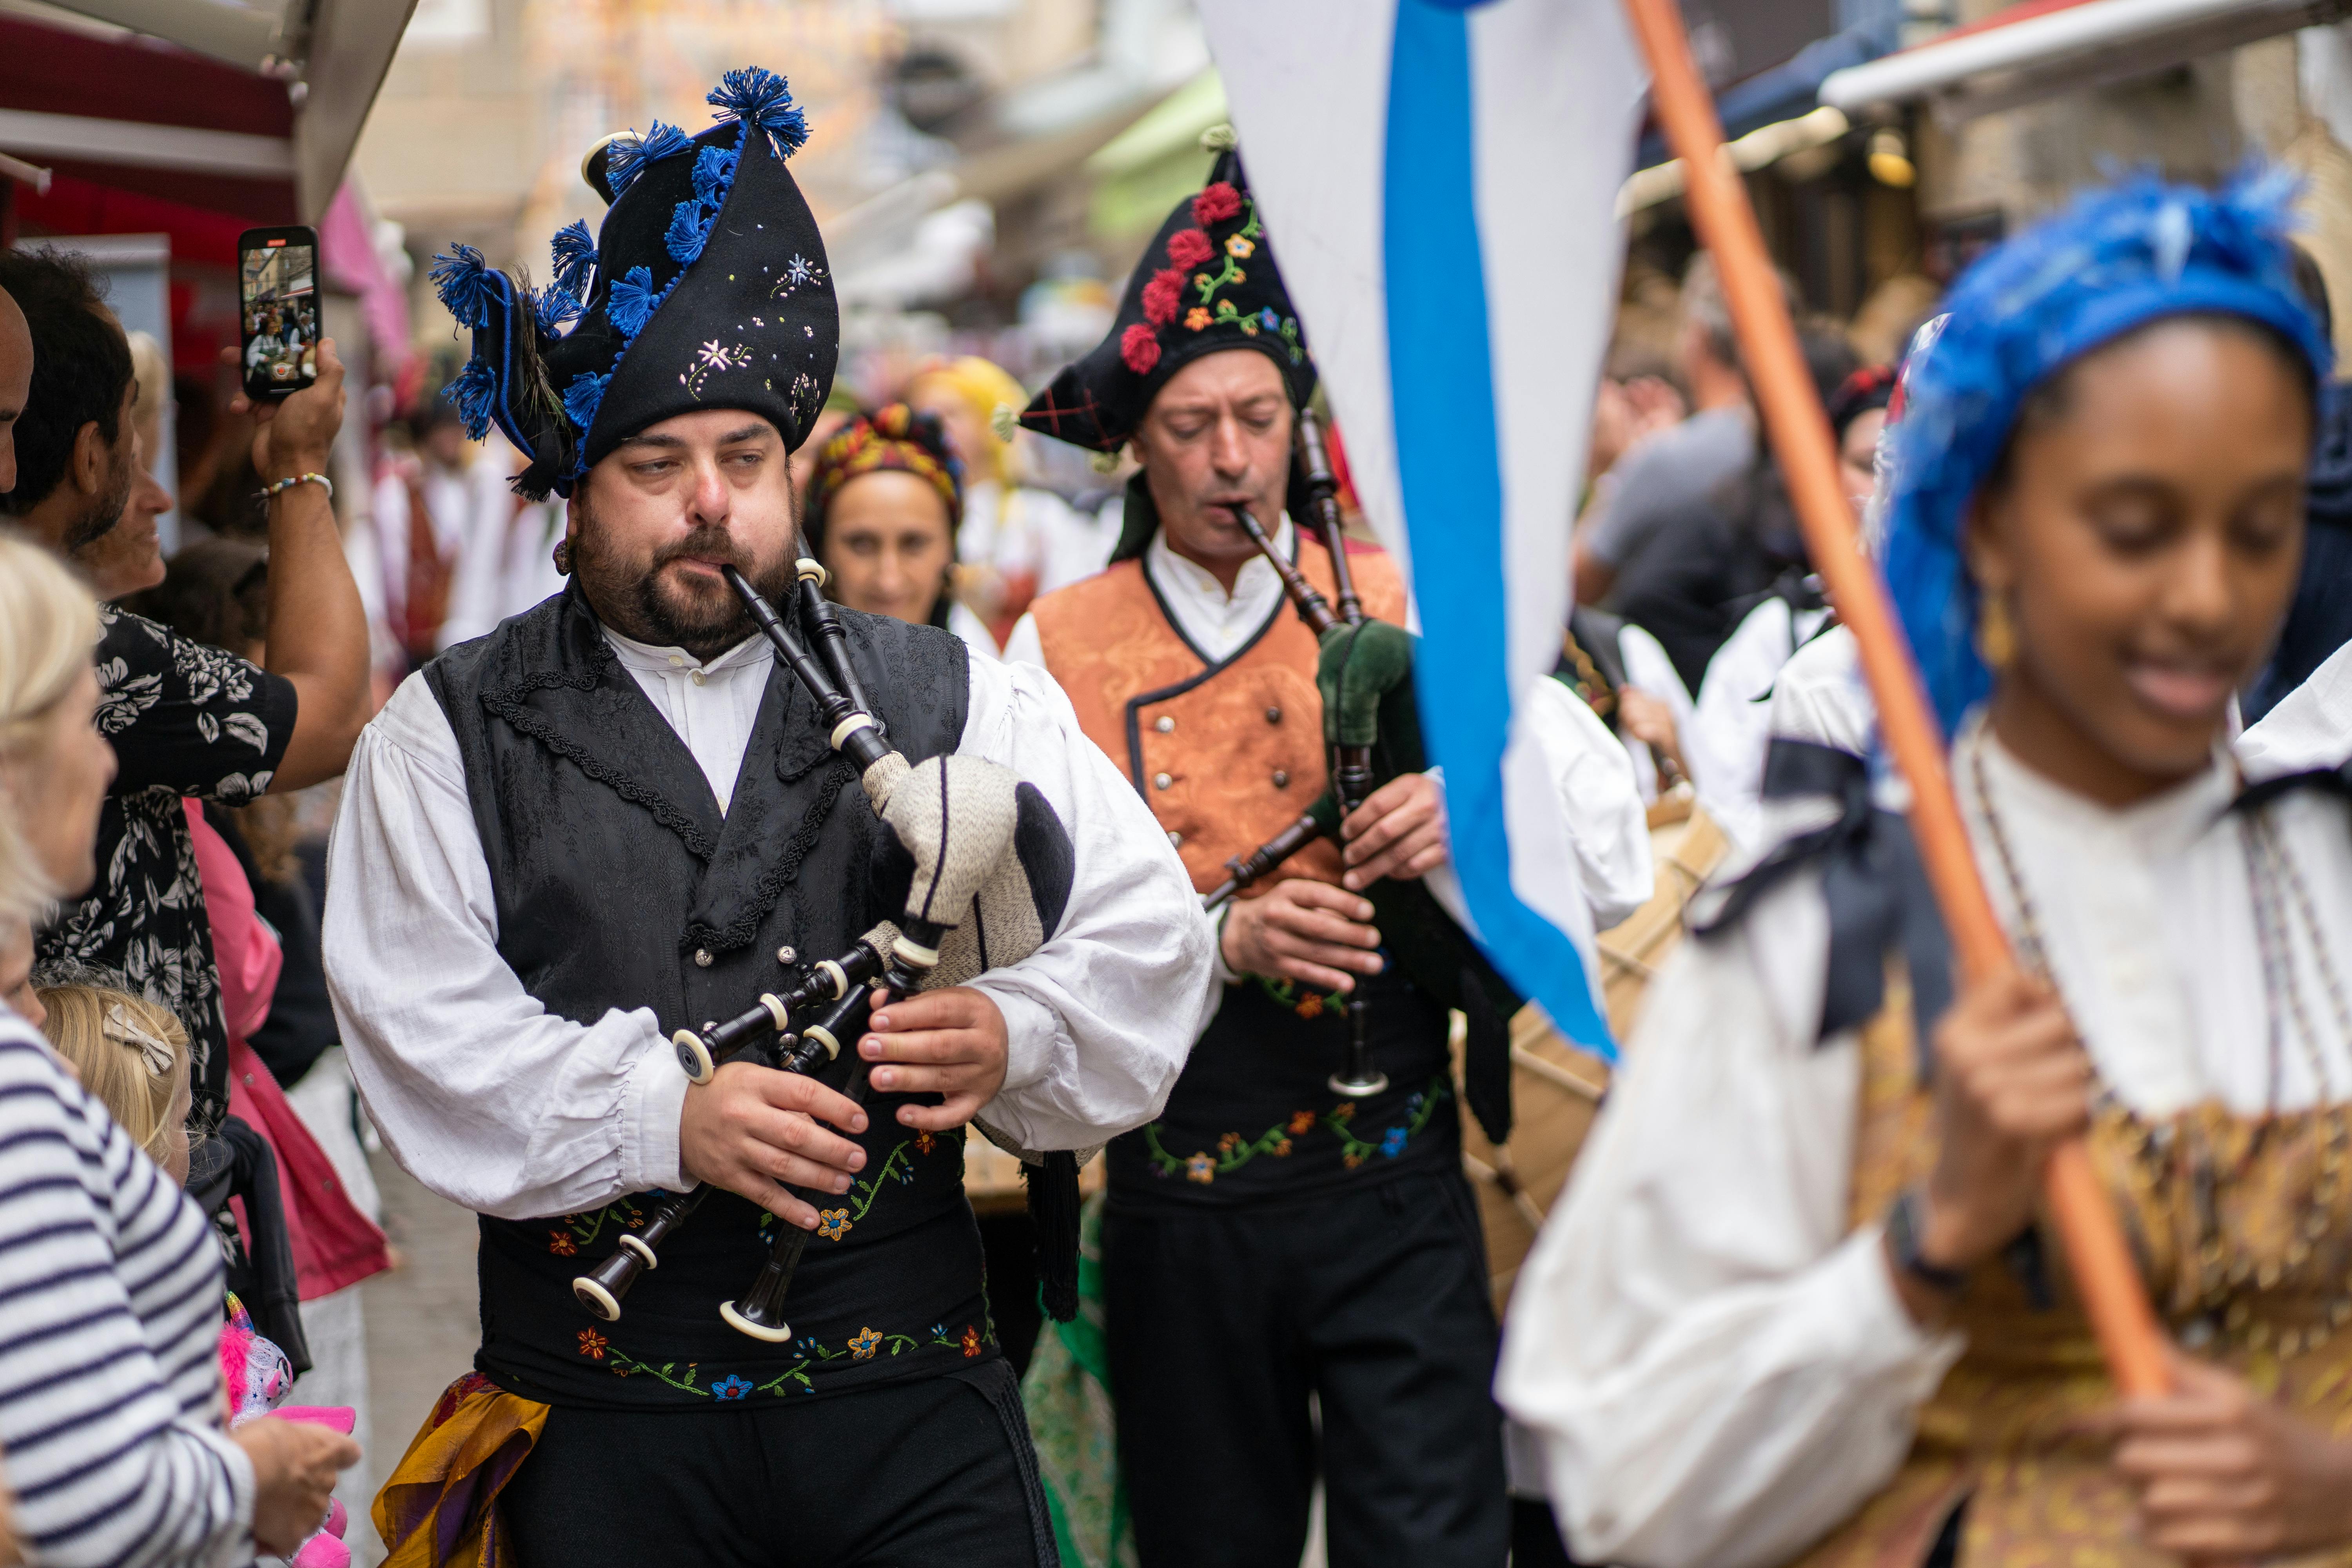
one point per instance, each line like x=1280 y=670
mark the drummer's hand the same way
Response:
x=2011 y=1080
x=1305 y=931
x=751 y=1128
x=2224 y=1476
x=950 y=1042
x=1399 y=831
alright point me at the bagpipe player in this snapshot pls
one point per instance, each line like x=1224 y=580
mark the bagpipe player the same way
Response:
x=1270 y=1241
x=617 y=816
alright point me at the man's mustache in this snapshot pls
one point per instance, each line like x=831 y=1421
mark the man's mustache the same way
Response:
x=713 y=545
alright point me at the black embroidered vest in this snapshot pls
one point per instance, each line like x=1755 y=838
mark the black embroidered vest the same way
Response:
x=620 y=885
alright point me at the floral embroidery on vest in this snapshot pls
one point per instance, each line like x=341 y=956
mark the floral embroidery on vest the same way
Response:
x=1233 y=1150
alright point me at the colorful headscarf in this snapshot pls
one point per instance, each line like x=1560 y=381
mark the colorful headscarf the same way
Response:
x=892 y=436
x=2115 y=261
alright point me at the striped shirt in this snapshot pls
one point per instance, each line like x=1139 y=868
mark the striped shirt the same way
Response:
x=110 y=1291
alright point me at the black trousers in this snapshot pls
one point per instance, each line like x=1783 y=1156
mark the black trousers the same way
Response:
x=910 y=1474
x=1222 y=1322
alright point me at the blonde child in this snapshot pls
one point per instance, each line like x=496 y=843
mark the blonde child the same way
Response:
x=132 y=1056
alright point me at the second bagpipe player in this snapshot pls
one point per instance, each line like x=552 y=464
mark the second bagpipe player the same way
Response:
x=1295 y=1226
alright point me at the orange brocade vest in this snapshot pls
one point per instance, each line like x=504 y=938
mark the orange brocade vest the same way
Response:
x=1225 y=755
x=2242 y=1229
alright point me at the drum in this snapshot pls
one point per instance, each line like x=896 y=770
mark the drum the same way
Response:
x=1556 y=1087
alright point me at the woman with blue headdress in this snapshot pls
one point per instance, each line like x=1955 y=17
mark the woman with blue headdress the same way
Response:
x=1801 y=1303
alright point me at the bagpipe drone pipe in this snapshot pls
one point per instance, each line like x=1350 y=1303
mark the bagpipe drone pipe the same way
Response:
x=974 y=902
x=1372 y=727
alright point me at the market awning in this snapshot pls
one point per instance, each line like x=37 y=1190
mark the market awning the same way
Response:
x=246 y=110
x=1782 y=92
x=2047 y=47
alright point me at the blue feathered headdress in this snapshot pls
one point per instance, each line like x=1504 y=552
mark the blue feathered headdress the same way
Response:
x=2115 y=261
x=706 y=287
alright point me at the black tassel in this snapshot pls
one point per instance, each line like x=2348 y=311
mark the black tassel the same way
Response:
x=1054 y=1211
x=1485 y=1062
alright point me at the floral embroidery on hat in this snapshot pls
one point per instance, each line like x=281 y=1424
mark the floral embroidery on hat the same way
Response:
x=1189 y=248
x=1198 y=317
x=1138 y=349
x=1215 y=204
x=1163 y=295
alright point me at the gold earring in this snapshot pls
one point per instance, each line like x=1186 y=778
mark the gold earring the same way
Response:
x=563 y=558
x=1996 y=636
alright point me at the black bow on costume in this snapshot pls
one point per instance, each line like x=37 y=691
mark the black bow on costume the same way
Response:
x=1873 y=880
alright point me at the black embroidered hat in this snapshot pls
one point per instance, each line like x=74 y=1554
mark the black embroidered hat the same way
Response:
x=705 y=288
x=1206 y=282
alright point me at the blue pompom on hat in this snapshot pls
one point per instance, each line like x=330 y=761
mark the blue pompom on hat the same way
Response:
x=2115 y=261
x=705 y=288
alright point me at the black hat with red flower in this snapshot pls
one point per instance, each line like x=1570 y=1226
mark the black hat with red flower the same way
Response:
x=1206 y=283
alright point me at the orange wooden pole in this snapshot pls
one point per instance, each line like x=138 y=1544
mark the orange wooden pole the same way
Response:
x=1717 y=202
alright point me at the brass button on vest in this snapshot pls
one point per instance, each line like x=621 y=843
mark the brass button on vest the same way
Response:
x=1164 y=724
x=1175 y=840
x=1274 y=715
x=1160 y=781
x=703 y=957
x=1281 y=779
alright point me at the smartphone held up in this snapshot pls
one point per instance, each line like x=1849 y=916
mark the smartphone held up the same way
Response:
x=278 y=277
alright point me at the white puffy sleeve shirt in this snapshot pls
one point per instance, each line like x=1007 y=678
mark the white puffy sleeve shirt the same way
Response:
x=1718 y=1373
x=498 y=1104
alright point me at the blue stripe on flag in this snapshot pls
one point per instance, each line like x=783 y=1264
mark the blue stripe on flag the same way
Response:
x=1449 y=467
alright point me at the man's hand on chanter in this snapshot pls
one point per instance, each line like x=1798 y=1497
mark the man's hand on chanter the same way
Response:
x=950 y=1042
x=1305 y=931
x=754 y=1130
x=1399 y=831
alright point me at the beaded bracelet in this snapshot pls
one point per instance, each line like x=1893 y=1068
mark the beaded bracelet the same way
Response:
x=277 y=487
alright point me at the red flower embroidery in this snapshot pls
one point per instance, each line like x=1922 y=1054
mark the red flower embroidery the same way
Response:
x=1189 y=248
x=971 y=1342
x=592 y=1344
x=560 y=1244
x=1198 y=317
x=1215 y=204
x=923 y=1141
x=1139 y=349
x=1163 y=295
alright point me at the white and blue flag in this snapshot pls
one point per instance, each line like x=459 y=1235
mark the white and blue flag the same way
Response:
x=1441 y=179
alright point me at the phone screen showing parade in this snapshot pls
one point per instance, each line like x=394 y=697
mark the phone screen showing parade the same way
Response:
x=278 y=277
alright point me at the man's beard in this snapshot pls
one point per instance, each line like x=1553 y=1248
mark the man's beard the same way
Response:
x=635 y=600
x=104 y=512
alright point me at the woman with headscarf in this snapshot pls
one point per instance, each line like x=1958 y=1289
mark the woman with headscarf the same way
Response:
x=881 y=520
x=1801 y=1303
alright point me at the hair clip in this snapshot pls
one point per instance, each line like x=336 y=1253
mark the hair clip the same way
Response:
x=124 y=1030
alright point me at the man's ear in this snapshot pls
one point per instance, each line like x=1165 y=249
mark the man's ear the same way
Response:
x=88 y=469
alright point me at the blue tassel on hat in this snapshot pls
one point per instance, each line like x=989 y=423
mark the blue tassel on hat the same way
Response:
x=551 y=307
x=629 y=154
x=465 y=283
x=758 y=96
x=631 y=303
x=575 y=258
x=582 y=397
x=473 y=392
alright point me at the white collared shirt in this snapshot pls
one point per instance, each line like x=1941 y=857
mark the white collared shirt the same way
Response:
x=496 y=1103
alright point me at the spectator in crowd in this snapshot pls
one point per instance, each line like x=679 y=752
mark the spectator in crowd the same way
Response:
x=1731 y=727
x=445 y=522
x=132 y=1056
x=2319 y=622
x=880 y=519
x=1661 y=550
x=111 y=1411
x=185 y=720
